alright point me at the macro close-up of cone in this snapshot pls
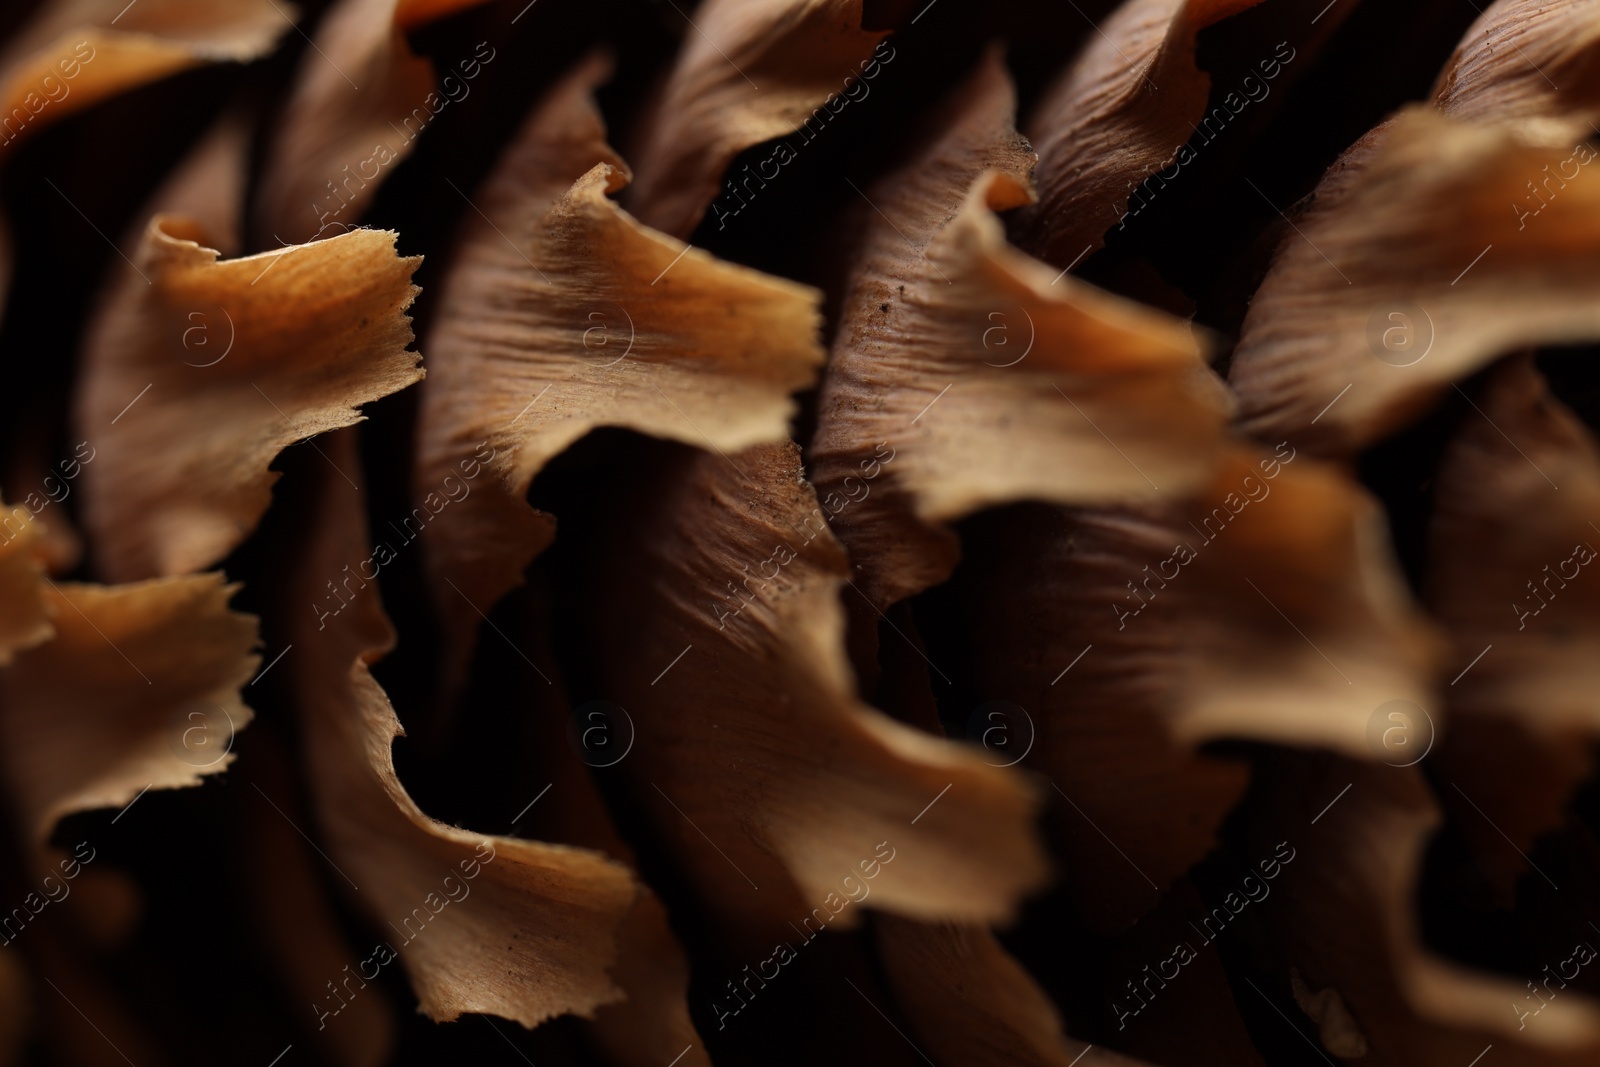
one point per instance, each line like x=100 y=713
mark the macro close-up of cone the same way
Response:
x=630 y=533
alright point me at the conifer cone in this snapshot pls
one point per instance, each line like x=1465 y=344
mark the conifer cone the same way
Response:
x=799 y=531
